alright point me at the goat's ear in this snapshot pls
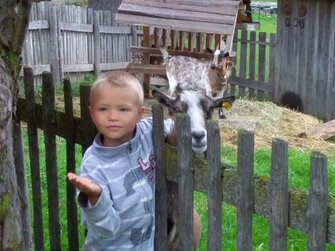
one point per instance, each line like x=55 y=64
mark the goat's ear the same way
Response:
x=209 y=50
x=162 y=98
x=220 y=101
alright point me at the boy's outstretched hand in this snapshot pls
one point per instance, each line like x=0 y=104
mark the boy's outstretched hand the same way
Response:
x=85 y=186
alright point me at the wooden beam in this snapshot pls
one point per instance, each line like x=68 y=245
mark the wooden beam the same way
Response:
x=182 y=25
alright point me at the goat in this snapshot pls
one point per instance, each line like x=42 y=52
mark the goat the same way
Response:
x=189 y=73
x=199 y=107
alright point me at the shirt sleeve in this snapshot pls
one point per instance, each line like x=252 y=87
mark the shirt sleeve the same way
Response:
x=102 y=219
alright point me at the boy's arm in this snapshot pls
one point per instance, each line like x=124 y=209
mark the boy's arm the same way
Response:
x=100 y=217
x=86 y=186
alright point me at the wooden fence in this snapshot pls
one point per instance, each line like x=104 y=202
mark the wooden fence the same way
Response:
x=253 y=75
x=73 y=41
x=267 y=197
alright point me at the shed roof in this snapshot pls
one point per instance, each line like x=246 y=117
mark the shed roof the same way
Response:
x=207 y=16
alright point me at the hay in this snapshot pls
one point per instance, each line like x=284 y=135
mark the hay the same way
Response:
x=269 y=121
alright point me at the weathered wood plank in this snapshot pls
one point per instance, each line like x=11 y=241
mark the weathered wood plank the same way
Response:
x=243 y=62
x=252 y=61
x=261 y=62
x=278 y=196
x=78 y=67
x=183 y=25
x=317 y=205
x=31 y=120
x=88 y=127
x=245 y=188
x=258 y=85
x=38 y=25
x=97 y=47
x=71 y=206
x=175 y=14
x=48 y=101
x=214 y=189
x=160 y=189
x=67 y=26
x=185 y=182
x=226 y=8
x=146 y=69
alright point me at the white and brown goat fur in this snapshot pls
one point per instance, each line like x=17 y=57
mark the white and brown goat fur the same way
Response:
x=199 y=107
x=188 y=73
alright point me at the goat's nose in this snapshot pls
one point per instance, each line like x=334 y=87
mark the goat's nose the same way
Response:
x=213 y=66
x=198 y=135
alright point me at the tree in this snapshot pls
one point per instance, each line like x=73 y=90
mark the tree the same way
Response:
x=14 y=224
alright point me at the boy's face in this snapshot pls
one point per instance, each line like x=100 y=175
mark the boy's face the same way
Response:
x=115 y=112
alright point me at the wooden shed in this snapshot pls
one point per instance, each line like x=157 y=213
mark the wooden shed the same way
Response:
x=186 y=26
x=305 y=54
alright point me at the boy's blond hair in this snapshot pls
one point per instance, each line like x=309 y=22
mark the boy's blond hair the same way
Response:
x=121 y=79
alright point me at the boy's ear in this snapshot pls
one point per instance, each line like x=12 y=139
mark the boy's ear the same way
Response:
x=140 y=112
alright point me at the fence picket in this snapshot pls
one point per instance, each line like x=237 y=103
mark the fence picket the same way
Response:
x=261 y=62
x=214 y=188
x=278 y=196
x=317 y=206
x=185 y=181
x=49 y=125
x=88 y=127
x=245 y=189
x=160 y=189
x=71 y=206
x=252 y=61
x=34 y=157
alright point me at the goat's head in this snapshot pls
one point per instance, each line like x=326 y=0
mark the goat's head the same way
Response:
x=221 y=62
x=199 y=107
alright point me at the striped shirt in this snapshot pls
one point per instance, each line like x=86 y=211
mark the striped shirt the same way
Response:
x=123 y=217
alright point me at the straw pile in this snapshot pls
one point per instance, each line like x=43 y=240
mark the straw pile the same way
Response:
x=269 y=121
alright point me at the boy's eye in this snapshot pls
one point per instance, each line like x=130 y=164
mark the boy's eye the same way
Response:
x=102 y=109
x=124 y=109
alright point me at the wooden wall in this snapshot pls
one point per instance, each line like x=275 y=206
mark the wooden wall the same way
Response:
x=305 y=54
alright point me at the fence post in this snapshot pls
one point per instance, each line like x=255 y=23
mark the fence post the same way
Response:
x=71 y=206
x=96 y=35
x=160 y=190
x=317 y=206
x=245 y=189
x=185 y=181
x=214 y=187
x=278 y=196
x=34 y=157
x=49 y=126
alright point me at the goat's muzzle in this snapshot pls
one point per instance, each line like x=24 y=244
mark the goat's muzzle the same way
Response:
x=213 y=66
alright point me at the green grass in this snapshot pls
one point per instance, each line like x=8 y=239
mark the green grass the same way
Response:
x=61 y=165
x=298 y=178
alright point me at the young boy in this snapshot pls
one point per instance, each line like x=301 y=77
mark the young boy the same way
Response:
x=117 y=175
